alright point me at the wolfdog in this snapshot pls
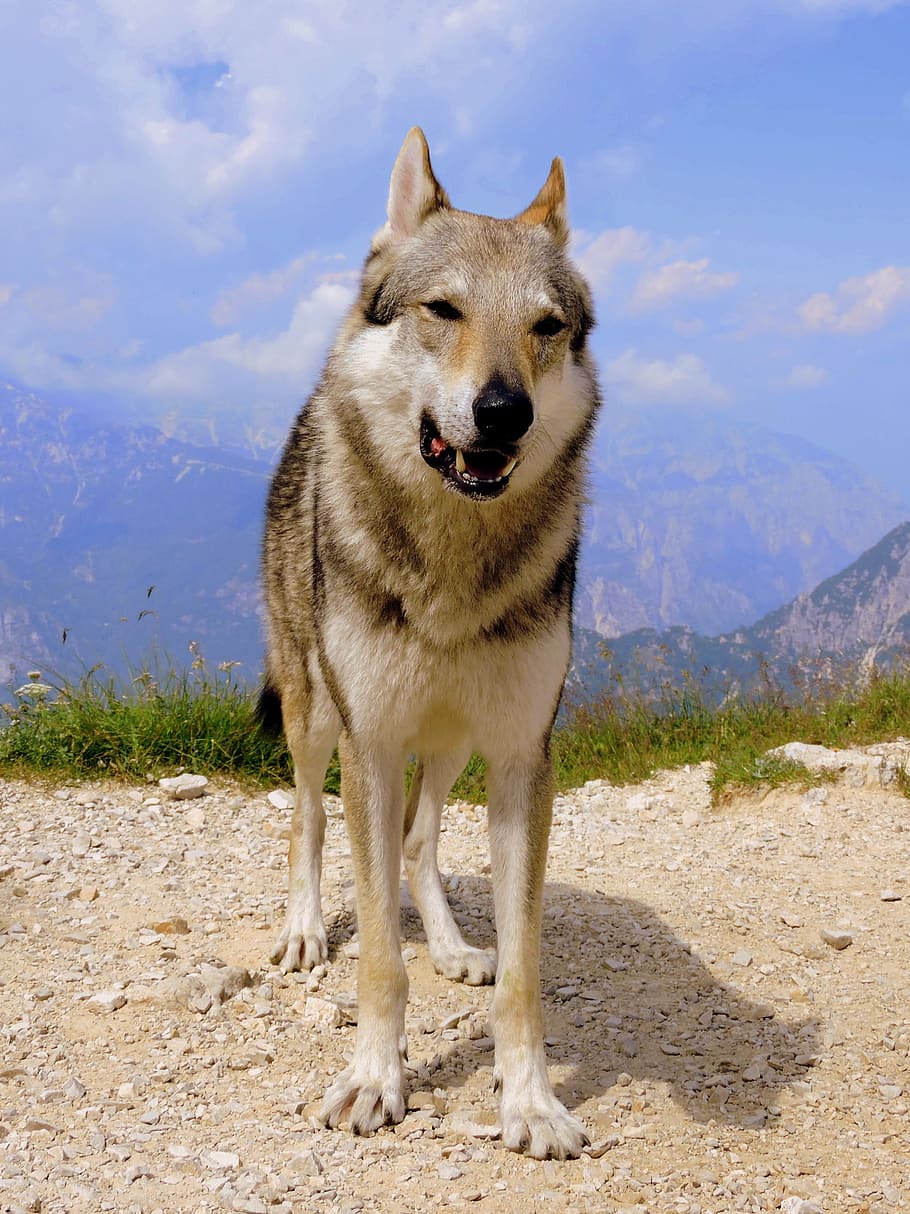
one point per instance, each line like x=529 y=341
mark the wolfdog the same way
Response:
x=419 y=560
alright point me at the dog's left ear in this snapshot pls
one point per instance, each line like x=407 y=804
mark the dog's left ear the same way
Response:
x=549 y=207
x=414 y=191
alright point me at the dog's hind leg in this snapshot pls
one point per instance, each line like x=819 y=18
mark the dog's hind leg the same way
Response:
x=521 y=798
x=311 y=727
x=450 y=953
x=370 y=1092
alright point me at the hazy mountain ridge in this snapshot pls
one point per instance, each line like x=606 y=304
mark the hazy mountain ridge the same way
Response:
x=92 y=516
x=692 y=521
x=850 y=623
x=712 y=524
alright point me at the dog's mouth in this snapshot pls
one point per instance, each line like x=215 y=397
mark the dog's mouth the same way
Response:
x=478 y=472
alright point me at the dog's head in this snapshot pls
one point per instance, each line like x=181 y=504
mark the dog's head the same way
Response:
x=476 y=329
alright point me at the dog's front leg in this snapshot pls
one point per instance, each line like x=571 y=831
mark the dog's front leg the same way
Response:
x=370 y=1092
x=521 y=799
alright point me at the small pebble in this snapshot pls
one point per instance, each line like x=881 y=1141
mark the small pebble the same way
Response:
x=106 y=1001
x=836 y=939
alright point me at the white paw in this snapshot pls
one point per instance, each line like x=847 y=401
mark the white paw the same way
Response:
x=299 y=949
x=365 y=1102
x=544 y=1130
x=474 y=966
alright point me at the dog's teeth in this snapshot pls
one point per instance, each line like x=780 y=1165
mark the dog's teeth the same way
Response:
x=509 y=468
x=459 y=460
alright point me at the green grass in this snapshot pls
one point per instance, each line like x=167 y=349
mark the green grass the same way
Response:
x=150 y=727
x=202 y=721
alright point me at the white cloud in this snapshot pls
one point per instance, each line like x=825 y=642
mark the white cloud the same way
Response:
x=258 y=289
x=6 y=292
x=859 y=304
x=806 y=376
x=599 y=257
x=679 y=280
x=289 y=358
x=230 y=370
x=681 y=381
x=54 y=307
x=172 y=113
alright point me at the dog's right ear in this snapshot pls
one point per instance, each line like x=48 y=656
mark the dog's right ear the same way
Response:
x=414 y=192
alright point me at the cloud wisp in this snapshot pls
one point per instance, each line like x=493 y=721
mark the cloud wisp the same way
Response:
x=859 y=305
x=680 y=281
x=684 y=380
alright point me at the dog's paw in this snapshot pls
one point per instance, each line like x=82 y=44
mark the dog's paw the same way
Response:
x=543 y=1131
x=300 y=949
x=364 y=1103
x=473 y=966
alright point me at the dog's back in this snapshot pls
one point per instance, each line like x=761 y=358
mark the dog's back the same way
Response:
x=419 y=561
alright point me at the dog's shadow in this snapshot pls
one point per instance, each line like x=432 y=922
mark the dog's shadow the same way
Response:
x=624 y=994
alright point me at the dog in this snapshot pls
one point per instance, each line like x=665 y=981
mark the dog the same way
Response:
x=419 y=557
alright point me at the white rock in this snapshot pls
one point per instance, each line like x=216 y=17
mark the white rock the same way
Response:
x=106 y=1001
x=473 y=1123
x=890 y=895
x=799 y=1205
x=322 y=1012
x=219 y=1159
x=279 y=799
x=81 y=844
x=185 y=787
x=195 y=817
x=836 y=939
x=855 y=767
x=639 y=802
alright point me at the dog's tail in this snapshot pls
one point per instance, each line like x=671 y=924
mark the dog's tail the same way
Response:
x=268 y=709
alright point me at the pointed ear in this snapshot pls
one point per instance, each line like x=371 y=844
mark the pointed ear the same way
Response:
x=549 y=207
x=413 y=191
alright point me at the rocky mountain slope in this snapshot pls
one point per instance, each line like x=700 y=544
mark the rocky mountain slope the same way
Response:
x=851 y=622
x=702 y=521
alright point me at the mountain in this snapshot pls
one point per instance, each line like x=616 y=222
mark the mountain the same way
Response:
x=704 y=521
x=694 y=521
x=93 y=516
x=851 y=622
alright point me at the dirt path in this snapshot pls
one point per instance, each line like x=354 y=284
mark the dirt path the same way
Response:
x=723 y=1056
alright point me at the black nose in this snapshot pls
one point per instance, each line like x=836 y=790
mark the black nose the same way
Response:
x=502 y=414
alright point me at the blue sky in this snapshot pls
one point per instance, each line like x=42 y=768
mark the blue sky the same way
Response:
x=188 y=187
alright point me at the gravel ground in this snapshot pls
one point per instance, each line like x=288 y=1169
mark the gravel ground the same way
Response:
x=725 y=1000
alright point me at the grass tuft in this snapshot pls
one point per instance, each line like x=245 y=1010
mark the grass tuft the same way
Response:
x=151 y=726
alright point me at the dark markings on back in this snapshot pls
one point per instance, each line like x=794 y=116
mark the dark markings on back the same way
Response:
x=319 y=612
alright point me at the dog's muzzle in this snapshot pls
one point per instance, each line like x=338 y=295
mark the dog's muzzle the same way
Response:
x=479 y=472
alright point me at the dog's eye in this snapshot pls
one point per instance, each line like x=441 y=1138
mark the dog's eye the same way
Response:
x=443 y=309
x=549 y=326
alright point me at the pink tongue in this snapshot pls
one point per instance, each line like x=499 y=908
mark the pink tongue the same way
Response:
x=484 y=465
